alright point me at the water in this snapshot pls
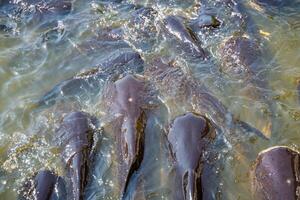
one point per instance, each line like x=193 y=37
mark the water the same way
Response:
x=38 y=52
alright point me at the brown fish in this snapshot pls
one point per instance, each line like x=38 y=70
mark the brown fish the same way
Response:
x=75 y=137
x=276 y=174
x=188 y=137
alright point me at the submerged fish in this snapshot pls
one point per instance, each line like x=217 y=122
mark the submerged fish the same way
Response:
x=41 y=7
x=75 y=137
x=181 y=92
x=205 y=21
x=274 y=3
x=216 y=20
x=276 y=174
x=141 y=30
x=239 y=57
x=185 y=36
x=89 y=83
x=242 y=60
x=44 y=185
x=298 y=90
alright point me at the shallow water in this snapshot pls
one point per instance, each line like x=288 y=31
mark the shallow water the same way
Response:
x=38 y=53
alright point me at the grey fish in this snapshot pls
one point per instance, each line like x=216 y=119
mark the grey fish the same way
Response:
x=53 y=7
x=90 y=83
x=127 y=101
x=276 y=174
x=240 y=56
x=183 y=92
x=298 y=90
x=275 y=3
x=75 y=137
x=188 y=136
x=44 y=185
x=185 y=36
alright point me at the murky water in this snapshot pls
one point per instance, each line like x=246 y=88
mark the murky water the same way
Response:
x=39 y=51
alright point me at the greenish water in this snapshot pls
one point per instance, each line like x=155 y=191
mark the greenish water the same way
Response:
x=35 y=55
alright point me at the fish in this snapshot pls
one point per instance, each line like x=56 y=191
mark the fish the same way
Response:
x=218 y=19
x=298 y=90
x=188 y=137
x=53 y=7
x=181 y=91
x=185 y=36
x=141 y=29
x=274 y=3
x=239 y=57
x=276 y=174
x=207 y=19
x=75 y=137
x=126 y=101
x=91 y=81
x=44 y=185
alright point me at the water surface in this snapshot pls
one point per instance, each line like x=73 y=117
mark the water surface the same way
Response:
x=38 y=52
